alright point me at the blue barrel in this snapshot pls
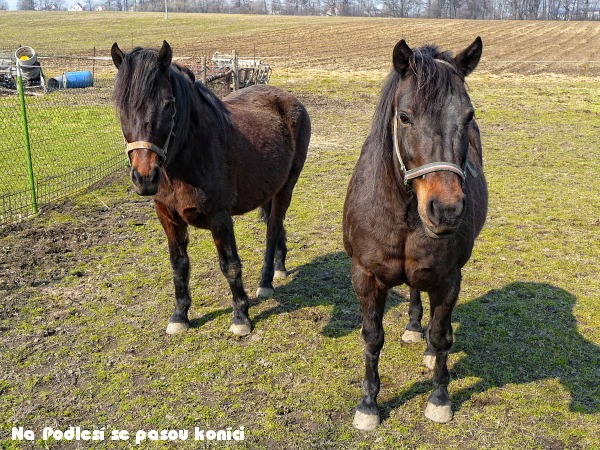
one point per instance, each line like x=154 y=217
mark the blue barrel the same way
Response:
x=79 y=79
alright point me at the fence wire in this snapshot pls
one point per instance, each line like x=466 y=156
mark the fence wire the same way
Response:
x=73 y=131
x=74 y=134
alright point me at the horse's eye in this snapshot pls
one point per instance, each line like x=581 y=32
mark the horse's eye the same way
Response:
x=404 y=119
x=470 y=117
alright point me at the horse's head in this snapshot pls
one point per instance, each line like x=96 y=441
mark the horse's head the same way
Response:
x=432 y=115
x=146 y=104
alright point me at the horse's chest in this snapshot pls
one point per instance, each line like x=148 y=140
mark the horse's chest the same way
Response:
x=428 y=261
x=188 y=202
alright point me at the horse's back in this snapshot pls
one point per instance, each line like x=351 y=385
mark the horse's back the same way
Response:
x=277 y=101
x=270 y=143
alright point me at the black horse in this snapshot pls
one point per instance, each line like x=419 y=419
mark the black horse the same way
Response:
x=205 y=160
x=415 y=204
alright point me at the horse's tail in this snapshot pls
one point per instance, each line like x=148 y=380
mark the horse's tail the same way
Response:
x=265 y=211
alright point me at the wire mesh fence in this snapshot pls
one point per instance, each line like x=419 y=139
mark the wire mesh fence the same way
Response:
x=74 y=135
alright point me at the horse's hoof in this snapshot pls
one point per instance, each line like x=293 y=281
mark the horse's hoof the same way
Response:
x=429 y=361
x=412 y=337
x=281 y=274
x=177 y=327
x=265 y=292
x=240 y=330
x=439 y=414
x=365 y=422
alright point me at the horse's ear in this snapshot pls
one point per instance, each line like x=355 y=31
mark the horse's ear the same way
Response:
x=117 y=55
x=467 y=60
x=402 y=54
x=165 y=55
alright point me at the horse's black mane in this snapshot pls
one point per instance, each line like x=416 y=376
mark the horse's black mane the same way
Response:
x=137 y=83
x=221 y=112
x=433 y=83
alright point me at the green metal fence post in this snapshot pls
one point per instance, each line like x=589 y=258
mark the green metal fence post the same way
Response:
x=26 y=138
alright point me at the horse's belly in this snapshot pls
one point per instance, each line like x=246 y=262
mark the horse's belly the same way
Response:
x=260 y=177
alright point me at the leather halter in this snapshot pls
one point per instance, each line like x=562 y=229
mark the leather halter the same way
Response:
x=160 y=151
x=429 y=167
x=434 y=166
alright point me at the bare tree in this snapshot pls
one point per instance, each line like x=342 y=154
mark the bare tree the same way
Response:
x=26 y=5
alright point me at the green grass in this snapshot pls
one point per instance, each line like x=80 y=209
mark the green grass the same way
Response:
x=83 y=328
x=86 y=288
x=74 y=141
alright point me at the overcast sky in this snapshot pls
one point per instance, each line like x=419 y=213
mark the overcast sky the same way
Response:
x=12 y=4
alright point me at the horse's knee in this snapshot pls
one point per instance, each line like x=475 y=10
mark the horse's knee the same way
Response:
x=373 y=336
x=231 y=270
x=441 y=339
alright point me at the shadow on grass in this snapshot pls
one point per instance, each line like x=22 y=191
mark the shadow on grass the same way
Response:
x=522 y=333
x=325 y=281
x=199 y=322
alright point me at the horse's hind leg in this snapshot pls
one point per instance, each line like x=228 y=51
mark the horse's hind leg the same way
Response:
x=414 y=331
x=275 y=234
x=276 y=249
x=372 y=302
x=442 y=299
x=280 y=247
x=280 y=255
x=177 y=237
x=231 y=266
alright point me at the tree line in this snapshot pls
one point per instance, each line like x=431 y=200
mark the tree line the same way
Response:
x=439 y=9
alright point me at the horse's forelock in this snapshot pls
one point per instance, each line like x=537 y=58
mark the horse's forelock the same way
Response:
x=432 y=82
x=137 y=79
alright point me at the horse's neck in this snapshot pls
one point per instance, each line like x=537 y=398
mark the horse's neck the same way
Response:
x=385 y=183
x=208 y=123
x=396 y=179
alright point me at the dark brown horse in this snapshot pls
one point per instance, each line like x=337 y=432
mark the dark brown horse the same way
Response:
x=415 y=203
x=205 y=160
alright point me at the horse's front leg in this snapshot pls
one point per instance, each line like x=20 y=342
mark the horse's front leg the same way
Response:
x=372 y=302
x=177 y=237
x=440 y=339
x=231 y=266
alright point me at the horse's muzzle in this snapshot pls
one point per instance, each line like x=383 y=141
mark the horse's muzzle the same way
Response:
x=443 y=219
x=146 y=185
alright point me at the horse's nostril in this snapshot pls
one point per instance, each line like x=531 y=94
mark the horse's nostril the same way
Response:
x=460 y=207
x=154 y=175
x=444 y=215
x=136 y=177
x=433 y=211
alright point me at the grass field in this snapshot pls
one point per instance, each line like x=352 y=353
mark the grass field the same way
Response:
x=86 y=287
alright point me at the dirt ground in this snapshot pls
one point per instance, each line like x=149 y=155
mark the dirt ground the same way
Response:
x=37 y=253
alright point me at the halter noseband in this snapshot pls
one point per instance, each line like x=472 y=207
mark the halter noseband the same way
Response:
x=160 y=151
x=434 y=166
x=430 y=167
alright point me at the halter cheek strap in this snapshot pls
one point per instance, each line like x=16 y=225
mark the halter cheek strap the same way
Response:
x=160 y=151
x=430 y=167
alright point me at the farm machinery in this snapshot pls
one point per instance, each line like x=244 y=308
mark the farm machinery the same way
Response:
x=228 y=73
x=31 y=70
